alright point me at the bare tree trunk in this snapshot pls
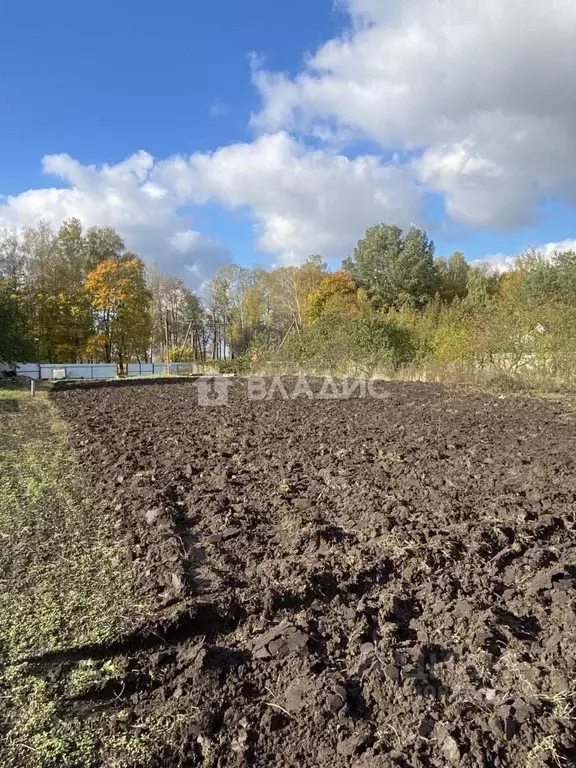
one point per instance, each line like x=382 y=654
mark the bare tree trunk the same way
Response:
x=167 y=342
x=204 y=342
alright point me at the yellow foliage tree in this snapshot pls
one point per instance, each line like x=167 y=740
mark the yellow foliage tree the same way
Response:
x=336 y=294
x=119 y=296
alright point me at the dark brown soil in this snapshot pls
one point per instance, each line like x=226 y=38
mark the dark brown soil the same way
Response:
x=361 y=582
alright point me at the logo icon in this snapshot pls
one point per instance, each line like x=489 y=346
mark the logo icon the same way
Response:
x=212 y=390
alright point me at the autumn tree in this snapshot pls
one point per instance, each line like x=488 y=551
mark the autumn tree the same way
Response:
x=228 y=291
x=49 y=268
x=290 y=290
x=121 y=303
x=336 y=294
x=248 y=308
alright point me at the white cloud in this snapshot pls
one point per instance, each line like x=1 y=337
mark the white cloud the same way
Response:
x=551 y=248
x=474 y=97
x=505 y=261
x=182 y=242
x=126 y=197
x=500 y=262
x=302 y=201
x=480 y=90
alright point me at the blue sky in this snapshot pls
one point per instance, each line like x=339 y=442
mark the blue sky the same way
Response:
x=99 y=80
x=272 y=107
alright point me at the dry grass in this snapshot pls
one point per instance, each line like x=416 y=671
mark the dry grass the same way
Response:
x=64 y=583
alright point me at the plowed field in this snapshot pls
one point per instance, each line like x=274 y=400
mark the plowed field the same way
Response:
x=358 y=582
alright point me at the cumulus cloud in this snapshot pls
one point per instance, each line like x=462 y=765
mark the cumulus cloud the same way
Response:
x=301 y=201
x=471 y=98
x=479 y=91
x=126 y=197
x=505 y=261
x=549 y=249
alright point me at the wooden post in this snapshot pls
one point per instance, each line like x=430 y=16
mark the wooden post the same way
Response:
x=32 y=387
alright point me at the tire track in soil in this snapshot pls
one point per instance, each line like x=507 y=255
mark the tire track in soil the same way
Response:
x=355 y=583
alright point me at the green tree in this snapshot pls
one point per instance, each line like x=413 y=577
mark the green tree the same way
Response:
x=70 y=307
x=12 y=257
x=50 y=269
x=15 y=342
x=553 y=279
x=102 y=243
x=481 y=284
x=38 y=285
x=452 y=277
x=398 y=268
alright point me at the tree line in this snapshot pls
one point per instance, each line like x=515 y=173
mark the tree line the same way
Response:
x=75 y=295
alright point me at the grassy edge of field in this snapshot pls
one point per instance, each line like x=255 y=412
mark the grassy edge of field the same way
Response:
x=490 y=382
x=65 y=582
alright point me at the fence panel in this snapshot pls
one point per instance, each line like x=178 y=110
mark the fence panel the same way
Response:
x=90 y=371
x=30 y=370
x=108 y=370
x=140 y=369
x=73 y=370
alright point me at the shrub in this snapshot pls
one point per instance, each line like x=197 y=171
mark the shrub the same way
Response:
x=238 y=365
x=342 y=344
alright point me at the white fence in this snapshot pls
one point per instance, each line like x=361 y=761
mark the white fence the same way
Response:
x=163 y=369
x=71 y=370
x=106 y=370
